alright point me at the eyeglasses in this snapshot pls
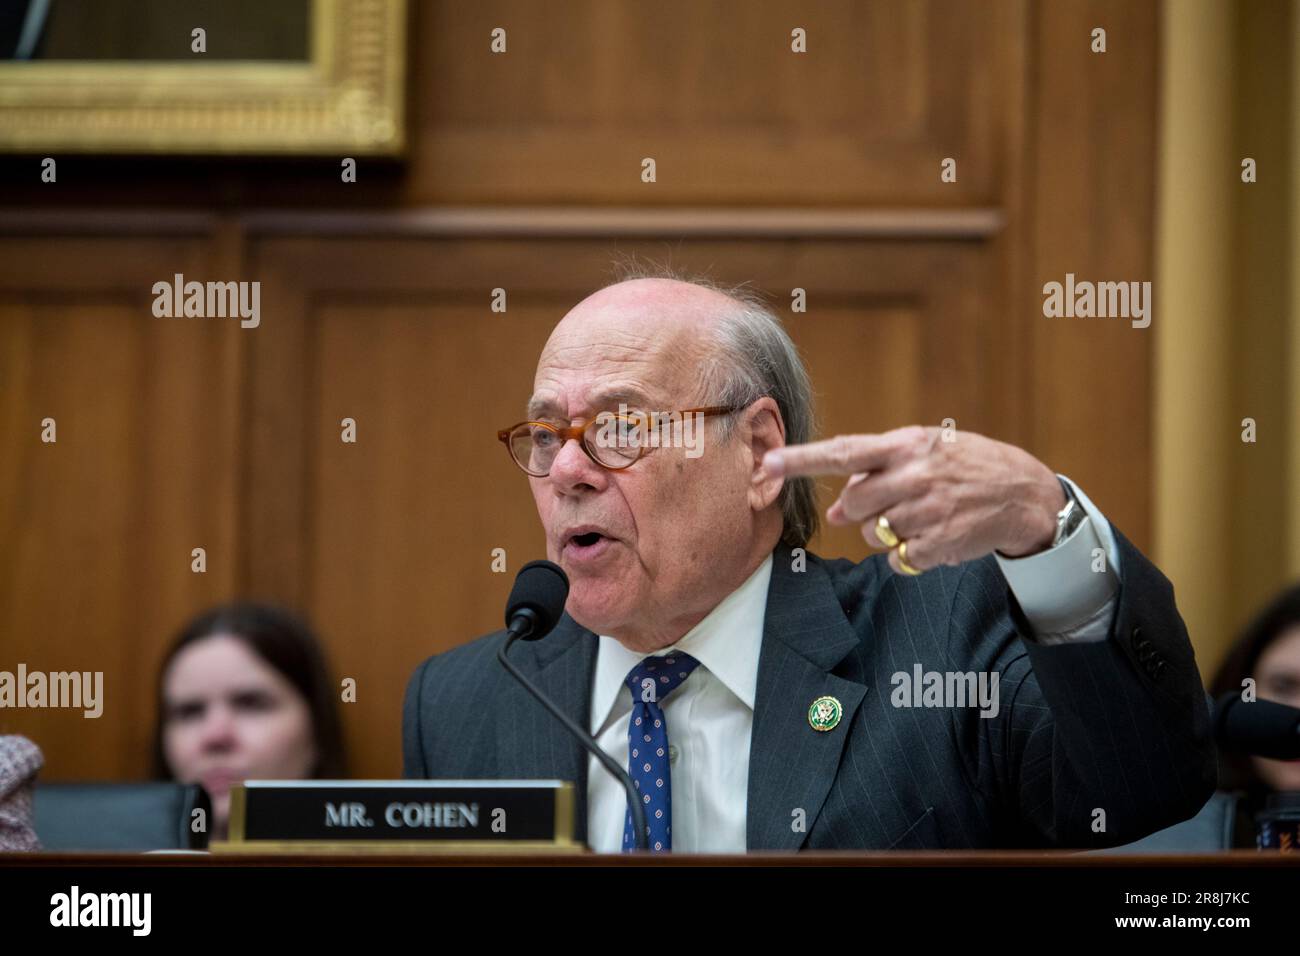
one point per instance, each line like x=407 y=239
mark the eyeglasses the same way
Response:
x=534 y=445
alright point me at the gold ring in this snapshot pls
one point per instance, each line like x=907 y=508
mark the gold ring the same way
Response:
x=902 y=560
x=885 y=534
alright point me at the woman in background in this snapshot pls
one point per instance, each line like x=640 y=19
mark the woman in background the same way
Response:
x=245 y=693
x=1268 y=651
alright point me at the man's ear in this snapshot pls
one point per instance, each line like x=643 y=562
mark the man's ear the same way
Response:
x=765 y=430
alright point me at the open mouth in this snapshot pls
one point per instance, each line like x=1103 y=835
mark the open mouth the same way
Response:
x=586 y=545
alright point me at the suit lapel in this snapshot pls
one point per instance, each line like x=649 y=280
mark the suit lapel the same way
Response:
x=791 y=765
x=536 y=745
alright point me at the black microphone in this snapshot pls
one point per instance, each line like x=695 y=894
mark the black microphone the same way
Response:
x=534 y=608
x=1260 y=727
x=537 y=600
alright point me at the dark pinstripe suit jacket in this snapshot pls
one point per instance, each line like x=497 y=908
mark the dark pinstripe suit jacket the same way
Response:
x=1119 y=726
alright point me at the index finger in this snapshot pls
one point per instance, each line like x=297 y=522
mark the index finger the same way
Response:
x=841 y=455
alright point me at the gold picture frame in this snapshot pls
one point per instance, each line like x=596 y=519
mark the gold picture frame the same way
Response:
x=348 y=99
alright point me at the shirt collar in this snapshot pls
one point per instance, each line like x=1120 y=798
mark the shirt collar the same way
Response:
x=727 y=642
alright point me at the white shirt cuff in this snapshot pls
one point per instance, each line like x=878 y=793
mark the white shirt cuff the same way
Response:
x=1068 y=592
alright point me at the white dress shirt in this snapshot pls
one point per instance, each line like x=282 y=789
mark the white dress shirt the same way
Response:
x=710 y=716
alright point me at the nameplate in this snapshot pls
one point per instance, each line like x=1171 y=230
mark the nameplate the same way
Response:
x=399 y=816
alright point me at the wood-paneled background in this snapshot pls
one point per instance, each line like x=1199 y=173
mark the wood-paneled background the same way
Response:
x=818 y=171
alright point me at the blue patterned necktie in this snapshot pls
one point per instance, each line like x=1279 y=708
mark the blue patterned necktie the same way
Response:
x=647 y=745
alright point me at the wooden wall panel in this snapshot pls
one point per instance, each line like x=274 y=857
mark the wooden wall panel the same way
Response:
x=1092 y=193
x=402 y=524
x=98 y=526
x=884 y=93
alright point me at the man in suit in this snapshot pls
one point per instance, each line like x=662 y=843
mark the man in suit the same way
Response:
x=1014 y=673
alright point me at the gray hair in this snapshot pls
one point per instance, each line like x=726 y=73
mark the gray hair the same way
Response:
x=755 y=358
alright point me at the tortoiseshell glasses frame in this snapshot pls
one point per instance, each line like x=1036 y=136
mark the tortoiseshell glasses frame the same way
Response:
x=521 y=439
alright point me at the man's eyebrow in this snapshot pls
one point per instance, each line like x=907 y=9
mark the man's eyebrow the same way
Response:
x=601 y=400
x=538 y=407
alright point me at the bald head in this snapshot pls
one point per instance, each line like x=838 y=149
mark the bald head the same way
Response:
x=688 y=302
x=661 y=334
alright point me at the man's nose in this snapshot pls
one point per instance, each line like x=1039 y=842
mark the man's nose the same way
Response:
x=573 y=469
